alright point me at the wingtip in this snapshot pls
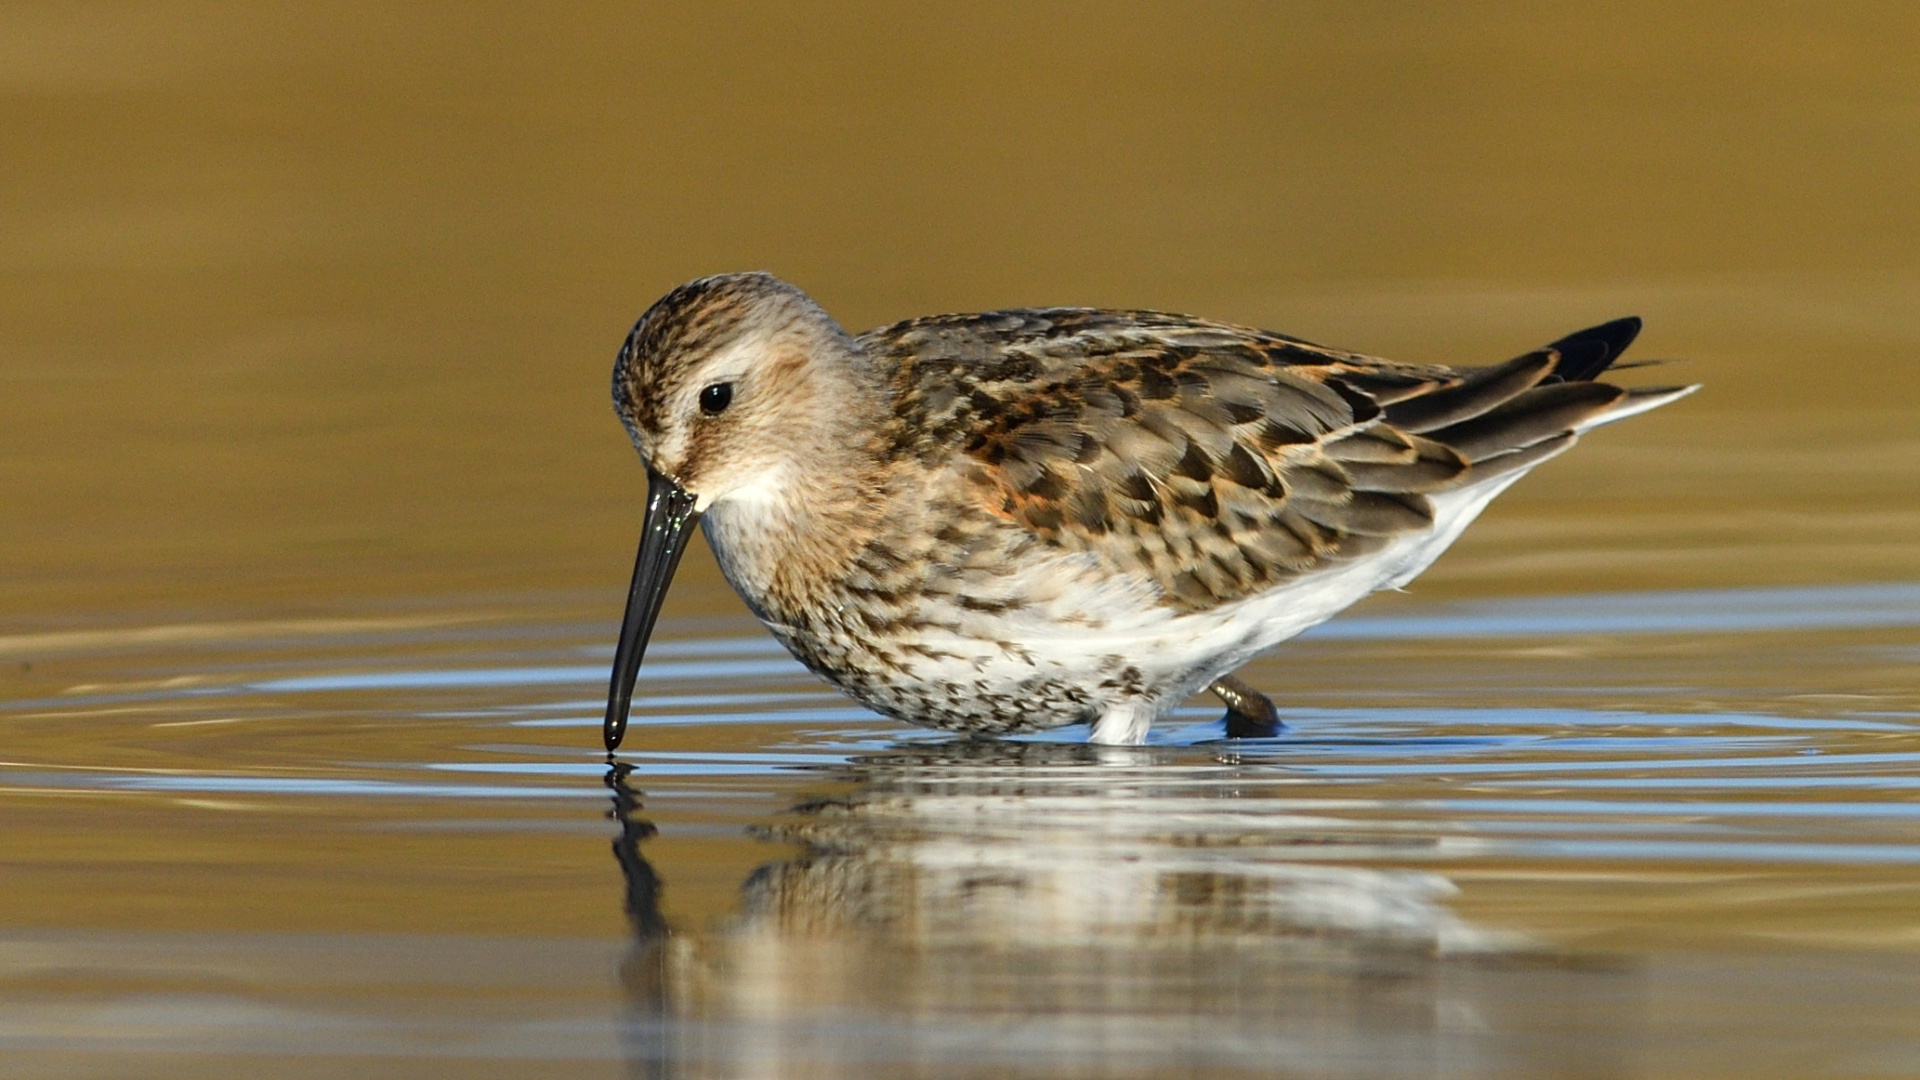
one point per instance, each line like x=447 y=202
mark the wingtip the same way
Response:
x=1586 y=353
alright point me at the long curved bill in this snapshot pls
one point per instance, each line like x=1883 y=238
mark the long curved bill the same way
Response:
x=669 y=525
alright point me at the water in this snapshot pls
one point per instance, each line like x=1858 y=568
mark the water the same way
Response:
x=314 y=525
x=1579 y=836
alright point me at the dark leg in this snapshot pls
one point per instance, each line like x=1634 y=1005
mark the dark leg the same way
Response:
x=1250 y=715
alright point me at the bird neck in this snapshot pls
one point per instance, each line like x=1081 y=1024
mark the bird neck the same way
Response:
x=788 y=540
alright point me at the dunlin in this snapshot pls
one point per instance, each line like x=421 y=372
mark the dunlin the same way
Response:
x=1016 y=520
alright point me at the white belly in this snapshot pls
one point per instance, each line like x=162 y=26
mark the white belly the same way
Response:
x=1181 y=654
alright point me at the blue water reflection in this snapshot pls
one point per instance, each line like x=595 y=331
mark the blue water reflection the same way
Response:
x=1720 y=611
x=1358 y=768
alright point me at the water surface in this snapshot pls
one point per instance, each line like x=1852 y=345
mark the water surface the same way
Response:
x=1577 y=836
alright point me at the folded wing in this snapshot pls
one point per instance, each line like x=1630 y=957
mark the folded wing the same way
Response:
x=1219 y=461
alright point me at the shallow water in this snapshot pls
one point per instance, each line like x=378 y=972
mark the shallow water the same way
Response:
x=314 y=524
x=1581 y=836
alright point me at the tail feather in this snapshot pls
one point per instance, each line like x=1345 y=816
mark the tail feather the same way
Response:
x=1636 y=402
x=1540 y=413
x=1481 y=391
x=1472 y=432
x=1519 y=461
x=1498 y=412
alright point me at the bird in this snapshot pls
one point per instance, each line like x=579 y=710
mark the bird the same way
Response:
x=1003 y=522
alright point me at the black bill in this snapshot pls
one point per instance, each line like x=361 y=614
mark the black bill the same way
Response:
x=670 y=519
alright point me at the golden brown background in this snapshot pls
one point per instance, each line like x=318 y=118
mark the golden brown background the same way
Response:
x=310 y=305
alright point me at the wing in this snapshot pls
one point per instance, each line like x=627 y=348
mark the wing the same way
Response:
x=1220 y=461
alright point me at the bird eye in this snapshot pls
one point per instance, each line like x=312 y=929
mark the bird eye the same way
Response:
x=714 y=399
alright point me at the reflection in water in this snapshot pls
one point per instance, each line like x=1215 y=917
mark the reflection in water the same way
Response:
x=1049 y=844
x=644 y=971
x=978 y=906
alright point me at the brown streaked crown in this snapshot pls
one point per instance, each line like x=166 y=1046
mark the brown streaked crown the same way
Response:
x=690 y=323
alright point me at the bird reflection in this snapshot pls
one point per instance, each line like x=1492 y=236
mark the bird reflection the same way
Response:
x=1044 y=845
x=644 y=971
x=975 y=905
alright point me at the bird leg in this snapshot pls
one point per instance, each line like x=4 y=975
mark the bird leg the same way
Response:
x=1250 y=713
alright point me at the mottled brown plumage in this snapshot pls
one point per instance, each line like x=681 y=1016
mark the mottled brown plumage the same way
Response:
x=974 y=521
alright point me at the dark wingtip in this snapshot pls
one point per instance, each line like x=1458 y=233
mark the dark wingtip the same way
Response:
x=1587 y=353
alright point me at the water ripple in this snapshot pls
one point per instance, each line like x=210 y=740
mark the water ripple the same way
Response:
x=1520 y=778
x=1718 y=611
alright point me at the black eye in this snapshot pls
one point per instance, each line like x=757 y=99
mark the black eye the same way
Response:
x=714 y=399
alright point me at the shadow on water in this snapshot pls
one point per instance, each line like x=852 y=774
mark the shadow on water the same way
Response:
x=962 y=908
